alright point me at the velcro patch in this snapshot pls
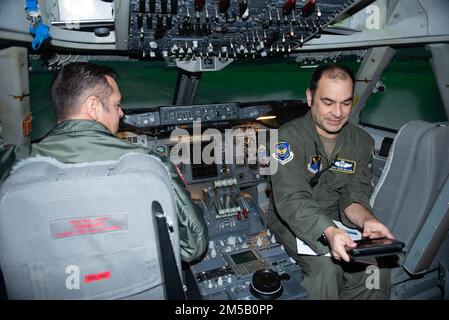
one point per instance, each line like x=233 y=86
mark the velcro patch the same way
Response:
x=343 y=165
x=282 y=153
x=88 y=225
x=315 y=164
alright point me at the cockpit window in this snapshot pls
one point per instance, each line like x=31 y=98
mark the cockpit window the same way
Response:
x=243 y=81
x=143 y=84
x=407 y=91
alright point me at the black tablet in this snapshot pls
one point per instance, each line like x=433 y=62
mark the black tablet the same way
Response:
x=376 y=246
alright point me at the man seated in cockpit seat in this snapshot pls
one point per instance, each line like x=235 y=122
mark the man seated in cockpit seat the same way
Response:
x=324 y=175
x=86 y=100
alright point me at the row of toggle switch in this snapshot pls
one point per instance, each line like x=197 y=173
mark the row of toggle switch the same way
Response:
x=165 y=28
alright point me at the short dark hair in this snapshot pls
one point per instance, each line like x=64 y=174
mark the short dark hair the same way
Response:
x=77 y=81
x=332 y=71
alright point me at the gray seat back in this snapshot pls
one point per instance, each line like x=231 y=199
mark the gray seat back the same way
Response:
x=415 y=173
x=84 y=231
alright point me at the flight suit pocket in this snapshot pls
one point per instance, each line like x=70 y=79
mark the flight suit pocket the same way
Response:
x=337 y=181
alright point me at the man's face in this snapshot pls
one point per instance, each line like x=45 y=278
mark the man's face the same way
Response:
x=110 y=115
x=331 y=105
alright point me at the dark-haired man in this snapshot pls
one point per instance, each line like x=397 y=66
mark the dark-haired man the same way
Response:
x=86 y=100
x=324 y=175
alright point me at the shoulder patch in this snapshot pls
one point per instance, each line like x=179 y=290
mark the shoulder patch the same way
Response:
x=282 y=153
x=344 y=165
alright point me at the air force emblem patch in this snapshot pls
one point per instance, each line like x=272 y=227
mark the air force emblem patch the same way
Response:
x=282 y=153
x=315 y=164
x=343 y=165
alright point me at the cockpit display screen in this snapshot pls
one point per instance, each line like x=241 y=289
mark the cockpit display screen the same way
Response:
x=203 y=170
x=243 y=257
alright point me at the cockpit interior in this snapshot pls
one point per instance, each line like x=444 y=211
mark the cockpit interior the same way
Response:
x=234 y=71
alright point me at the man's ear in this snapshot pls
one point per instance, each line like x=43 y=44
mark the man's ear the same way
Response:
x=309 y=97
x=91 y=107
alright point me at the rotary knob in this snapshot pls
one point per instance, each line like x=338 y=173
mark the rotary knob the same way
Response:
x=266 y=285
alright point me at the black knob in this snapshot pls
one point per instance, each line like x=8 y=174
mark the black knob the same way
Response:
x=266 y=285
x=285 y=277
x=102 y=32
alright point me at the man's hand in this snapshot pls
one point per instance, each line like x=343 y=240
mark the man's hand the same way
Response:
x=372 y=228
x=339 y=241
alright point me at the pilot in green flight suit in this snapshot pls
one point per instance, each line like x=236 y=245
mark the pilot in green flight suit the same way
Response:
x=323 y=175
x=86 y=100
x=75 y=141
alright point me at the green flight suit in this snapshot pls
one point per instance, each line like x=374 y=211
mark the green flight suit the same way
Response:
x=76 y=141
x=7 y=159
x=300 y=211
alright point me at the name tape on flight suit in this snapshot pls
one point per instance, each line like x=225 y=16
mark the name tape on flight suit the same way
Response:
x=344 y=165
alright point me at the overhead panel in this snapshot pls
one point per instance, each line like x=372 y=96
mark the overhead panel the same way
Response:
x=229 y=29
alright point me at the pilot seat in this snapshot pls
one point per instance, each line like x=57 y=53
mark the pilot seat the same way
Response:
x=412 y=200
x=90 y=230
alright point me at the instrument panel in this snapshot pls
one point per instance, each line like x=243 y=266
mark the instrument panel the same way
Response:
x=242 y=253
x=240 y=247
x=222 y=114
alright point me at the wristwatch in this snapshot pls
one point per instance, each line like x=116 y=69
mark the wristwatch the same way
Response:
x=323 y=239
